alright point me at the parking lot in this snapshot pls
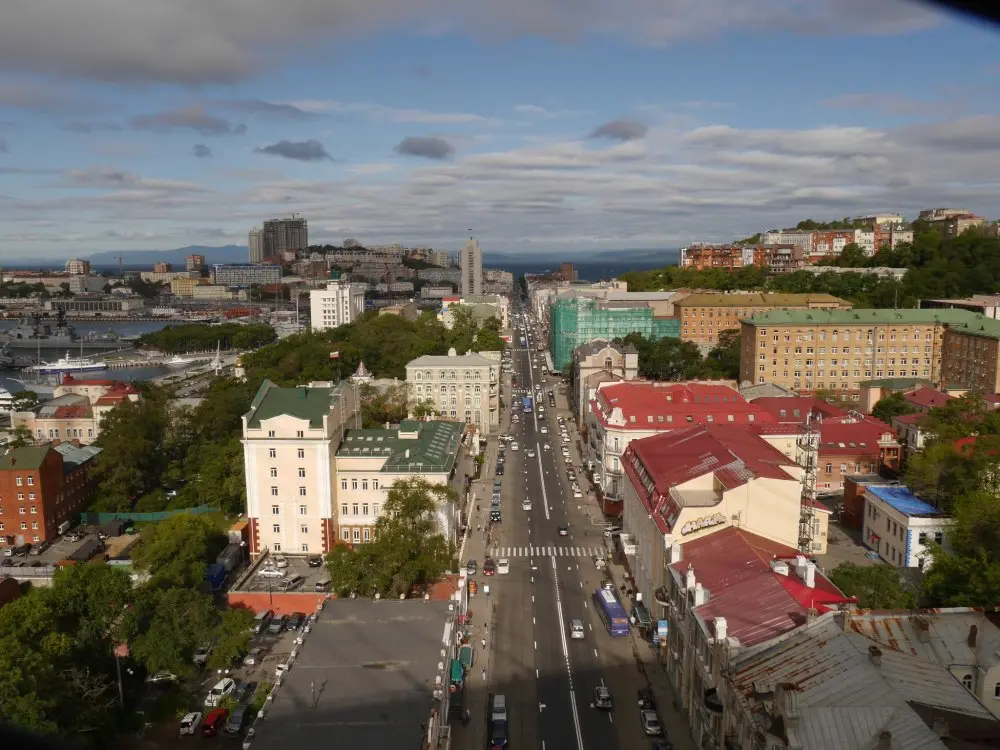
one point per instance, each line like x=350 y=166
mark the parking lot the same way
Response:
x=298 y=575
x=62 y=548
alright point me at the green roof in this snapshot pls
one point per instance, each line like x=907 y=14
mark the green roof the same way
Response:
x=304 y=402
x=895 y=384
x=752 y=299
x=27 y=457
x=981 y=326
x=863 y=317
x=435 y=447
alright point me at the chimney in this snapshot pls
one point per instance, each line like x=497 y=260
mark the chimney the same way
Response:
x=721 y=629
x=923 y=630
x=973 y=635
x=875 y=656
x=676 y=552
x=810 y=575
x=811 y=614
x=701 y=595
x=689 y=577
x=884 y=740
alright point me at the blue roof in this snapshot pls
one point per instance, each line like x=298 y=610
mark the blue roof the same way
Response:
x=905 y=501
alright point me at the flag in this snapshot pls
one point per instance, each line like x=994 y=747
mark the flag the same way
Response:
x=334 y=355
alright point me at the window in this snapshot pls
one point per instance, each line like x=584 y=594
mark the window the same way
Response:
x=277 y=546
x=303 y=529
x=375 y=508
x=343 y=509
x=354 y=484
x=354 y=508
x=299 y=433
x=302 y=452
x=272 y=453
x=829 y=468
x=364 y=509
x=357 y=535
x=274 y=491
x=302 y=491
x=343 y=484
x=31 y=481
x=996 y=691
x=274 y=472
x=34 y=508
x=276 y=528
x=270 y=433
x=967 y=682
x=364 y=484
x=275 y=510
x=20 y=481
x=302 y=473
x=303 y=509
x=345 y=534
x=305 y=547
x=367 y=534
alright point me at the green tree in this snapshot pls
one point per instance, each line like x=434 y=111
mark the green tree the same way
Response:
x=852 y=256
x=232 y=637
x=876 y=586
x=177 y=551
x=890 y=406
x=25 y=400
x=131 y=458
x=173 y=623
x=963 y=580
x=724 y=359
x=20 y=436
x=668 y=358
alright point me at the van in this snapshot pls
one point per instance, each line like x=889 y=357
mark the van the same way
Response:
x=262 y=620
x=498 y=709
x=498 y=721
x=322 y=586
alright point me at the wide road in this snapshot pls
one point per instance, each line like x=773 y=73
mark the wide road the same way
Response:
x=547 y=677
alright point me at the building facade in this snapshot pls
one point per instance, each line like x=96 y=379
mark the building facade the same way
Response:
x=971 y=355
x=283 y=235
x=598 y=362
x=899 y=526
x=290 y=438
x=194 y=262
x=75 y=410
x=77 y=267
x=464 y=388
x=471 y=265
x=704 y=316
x=245 y=274
x=184 y=287
x=337 y=305
x=717 y=257
x=255 y=245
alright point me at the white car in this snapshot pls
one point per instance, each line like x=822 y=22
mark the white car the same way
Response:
x=544 y=429
x=222 y=688
x=503 y=566
x=530 y=453
x=513 y=447
x=271 y=573
x=577 y=493
x=190 y=723
x=547 y=446
x=525 y=505
x=279 y=561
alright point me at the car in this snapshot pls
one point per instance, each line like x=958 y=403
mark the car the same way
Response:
x=222 y=688
x=489 y=567
x=602 y=698
x=277 y=625
x=296 y=620
x=577 y=493
x=650 y=723
x=497 y=485
x=543 y=429
x=267 y=572
x=279 y=561
x=161 y=677
x=600 y=563
x=315 y=561
x=530 y=453
x=292 y=583
x=647 y=700
x=513 y=446
x=564 y=530
x=503 y=566
x=201 y=655
x=547 y=446
x=239 y=716
x=255 y=657
x=214 y=722
x=499 y=470
x=471 y=567
x=190 y=723
x=661 y=744
x=526 y=504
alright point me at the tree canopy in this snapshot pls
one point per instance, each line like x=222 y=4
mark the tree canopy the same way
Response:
x=673 y=359
x=875 y=586
x=890 y=406
x=195 y=337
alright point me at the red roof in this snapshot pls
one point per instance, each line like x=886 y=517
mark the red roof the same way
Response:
x=850 y=436
x=908 y=418
x=70 y=380
x=666 y=406
x=758 y=604
x=927 y=398
x=76 y=411
x=675 y=457
x=797 y=408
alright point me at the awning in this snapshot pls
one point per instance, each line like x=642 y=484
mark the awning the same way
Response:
x=641 y=615
x=457 y=673
x=465 y=656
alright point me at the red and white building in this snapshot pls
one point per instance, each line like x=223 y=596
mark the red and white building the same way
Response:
x=75 y=410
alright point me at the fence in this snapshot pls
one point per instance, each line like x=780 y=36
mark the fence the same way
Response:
x=101 y=518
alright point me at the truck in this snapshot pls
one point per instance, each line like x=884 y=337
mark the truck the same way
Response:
x=215 y=575
x=230 y=557
x=87 y=550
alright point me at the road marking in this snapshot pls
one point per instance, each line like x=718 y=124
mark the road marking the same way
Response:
x=595 y=654
x=565 y=650
x=536 y=645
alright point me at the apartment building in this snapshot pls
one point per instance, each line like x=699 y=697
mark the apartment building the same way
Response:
x=245 y=274
x=185 y=286
x=462 y=387
x=482 y=306
x=162 y=267
x=837 y=350
x=338 y=304
x=703 y=317
x=471 y=264
x=899 y=526
x=283 y=235
x=290 y=438
x=255 y=246
x=194 y=262
x=596 y=362
x=42 y=488
x=987 y=305
x=370 y=461
x=717 y=257
x=75 y=410
x=971 y=355
x=78 y=267
x=951 y=222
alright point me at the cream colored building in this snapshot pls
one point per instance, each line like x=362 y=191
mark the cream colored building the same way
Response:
x=598 y=362
x=462 y=387
x=290 y=438
x=338 y=304
x=76 y=409
x=370 y=461
x=184 y=287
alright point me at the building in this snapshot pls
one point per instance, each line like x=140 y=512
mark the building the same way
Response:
x=695 y=482
x=622 y=412
x=879 y=680
x=77 y=267
x=87 y=284
x=717 y=257
x=461 y=387
x=471 y=264
x=837 y=350
x=214 y=292
x=481 y=306
x=880 y=219
x=337 y=305
x=43 y=487
x=924 y=399
x=282 y=235
x=75 y=410
x=437 y=292
x=951 y=222
x=255 y=244
x=882 y=272
x=451 y=276
x=898 y=525
x=184 y=287
x=704 y=316
x=162 y=267
x=290 y=438
x=370 y=461
x=596 y=362
x=194 y=262
x=245 y=274
x=163 y=277
x=727 y=593
x=497 y=281
x=987 y=305
x=577 y=318
x=971 y=355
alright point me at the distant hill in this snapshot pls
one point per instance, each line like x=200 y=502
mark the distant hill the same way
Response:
x=224 y=254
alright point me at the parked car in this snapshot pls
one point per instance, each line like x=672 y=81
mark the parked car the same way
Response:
x=214 y=722
x=315 y=561
x=266 y=572
x=650 y=723
x=236 y=720
x=201 y=655
x=279 y=561
x=471 y=567
x=647 y=700
x=222 y=688
x=255 y=657
x=161 y=677
x=277 y=625
x=190 y=723
x=289 y=584
x=296 y=620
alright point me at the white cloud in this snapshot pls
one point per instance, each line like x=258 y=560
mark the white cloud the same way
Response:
x=391 y=114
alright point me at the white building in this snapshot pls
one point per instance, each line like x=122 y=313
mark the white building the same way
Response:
x=471 y=263
x=256 y=245
x=75 y=266
x=461 y=387
x=370 y=461
x=290 y=436
x=337 y=305
x=898 y=525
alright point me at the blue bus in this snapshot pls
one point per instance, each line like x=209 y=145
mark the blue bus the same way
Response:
x=527 y=405
x=611 y=611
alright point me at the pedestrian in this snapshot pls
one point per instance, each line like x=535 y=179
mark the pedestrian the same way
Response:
x=484 y=673
x=483 y=641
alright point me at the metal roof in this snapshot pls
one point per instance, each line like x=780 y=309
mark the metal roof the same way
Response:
x=904 y=501
x=880 y=317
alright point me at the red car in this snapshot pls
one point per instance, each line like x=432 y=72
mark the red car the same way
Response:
x=214 y=722
x=489 y=567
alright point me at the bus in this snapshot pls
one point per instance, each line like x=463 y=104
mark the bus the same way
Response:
x=611 y=611
x=526 y=403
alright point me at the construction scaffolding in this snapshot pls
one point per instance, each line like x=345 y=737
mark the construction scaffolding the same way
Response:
x=807 y=456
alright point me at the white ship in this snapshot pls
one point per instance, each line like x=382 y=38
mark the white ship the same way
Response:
x=69 y=364
x=178 y=361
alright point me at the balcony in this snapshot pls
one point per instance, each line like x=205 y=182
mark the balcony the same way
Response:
x=712 y=701
x=661 y=597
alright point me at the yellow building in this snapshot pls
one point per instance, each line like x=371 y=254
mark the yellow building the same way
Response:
x=704 y=316
x=184 y=287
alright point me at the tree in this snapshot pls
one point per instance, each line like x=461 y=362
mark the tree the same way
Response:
x=724 y=359
x=852 y=256
x=232 y=637
x=25 y=400
x=425 y=408
x=408 y=551
x=173 y=623
x=890 y=406
x=20 y=436
x=876 y=586
x=667 y=358
x=177 y=551
x=131 y=458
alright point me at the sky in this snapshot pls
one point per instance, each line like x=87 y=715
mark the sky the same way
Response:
x=543 y=126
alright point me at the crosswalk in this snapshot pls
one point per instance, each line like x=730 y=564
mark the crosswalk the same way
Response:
x=546 y=551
